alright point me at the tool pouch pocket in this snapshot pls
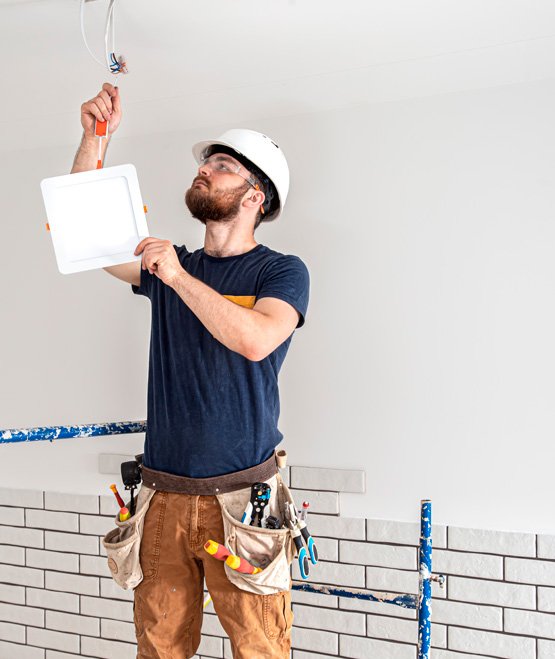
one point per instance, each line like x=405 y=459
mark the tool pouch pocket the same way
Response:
x=271 y=549
x=122 y=544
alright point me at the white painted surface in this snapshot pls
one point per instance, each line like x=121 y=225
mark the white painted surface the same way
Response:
x=292 y=57
x=427 y=225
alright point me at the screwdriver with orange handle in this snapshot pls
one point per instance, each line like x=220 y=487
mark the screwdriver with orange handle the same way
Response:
x=124 y=511
x=101 y=131
x=220 y=552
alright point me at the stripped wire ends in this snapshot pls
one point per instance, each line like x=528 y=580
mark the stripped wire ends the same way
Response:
x=115 y=64
x=118 y=64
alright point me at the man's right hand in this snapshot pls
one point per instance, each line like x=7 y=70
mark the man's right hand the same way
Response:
x=106 y=106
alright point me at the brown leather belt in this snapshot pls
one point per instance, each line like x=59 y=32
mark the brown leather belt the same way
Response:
x=237 y=480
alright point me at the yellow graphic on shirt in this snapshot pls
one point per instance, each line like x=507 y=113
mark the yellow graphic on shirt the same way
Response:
x=243 y=300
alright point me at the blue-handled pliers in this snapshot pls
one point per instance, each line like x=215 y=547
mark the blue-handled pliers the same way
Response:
x=309 y=541
x=299 y=531
x=301 y=549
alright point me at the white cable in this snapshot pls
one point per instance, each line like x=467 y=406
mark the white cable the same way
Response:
x=83 y=33
x=106 y=35
x=113 y=18
x=109 y=34
x=113 y=31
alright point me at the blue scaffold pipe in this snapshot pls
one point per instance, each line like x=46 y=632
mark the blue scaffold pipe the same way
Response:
x=425 y=581
x=65 y=432
x=404 y=601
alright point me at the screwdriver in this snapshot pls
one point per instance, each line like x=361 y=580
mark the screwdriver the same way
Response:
x=101 y=131
x=124 y=511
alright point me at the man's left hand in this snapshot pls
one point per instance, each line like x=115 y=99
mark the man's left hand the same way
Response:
x=160 y=258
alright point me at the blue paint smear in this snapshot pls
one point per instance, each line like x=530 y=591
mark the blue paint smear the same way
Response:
x=50 y=433
x=404 y=601
x=425 y=595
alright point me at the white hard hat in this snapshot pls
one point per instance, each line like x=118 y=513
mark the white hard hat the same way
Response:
x=260 y=150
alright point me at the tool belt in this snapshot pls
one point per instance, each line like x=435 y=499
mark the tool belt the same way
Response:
x=274 y=548
x=237 y=480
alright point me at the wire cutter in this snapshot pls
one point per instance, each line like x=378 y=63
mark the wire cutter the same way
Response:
x=258 y=508
x=299 y=531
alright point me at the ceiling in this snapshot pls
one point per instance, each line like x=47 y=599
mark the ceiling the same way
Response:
x=196 y=63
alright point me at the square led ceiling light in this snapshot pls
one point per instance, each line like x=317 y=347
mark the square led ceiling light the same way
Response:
x=96 y=218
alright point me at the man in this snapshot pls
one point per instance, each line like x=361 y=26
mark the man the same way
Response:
x=222 y=321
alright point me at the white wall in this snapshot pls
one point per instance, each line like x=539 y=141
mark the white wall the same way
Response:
x=427 y=359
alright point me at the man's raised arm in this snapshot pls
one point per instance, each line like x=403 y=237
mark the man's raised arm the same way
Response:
x=105 y=106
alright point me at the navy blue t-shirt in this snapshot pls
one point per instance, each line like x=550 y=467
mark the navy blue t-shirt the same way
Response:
x=211 y=411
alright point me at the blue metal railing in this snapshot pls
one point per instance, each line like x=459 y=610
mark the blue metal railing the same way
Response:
x=67 y=432
x=422 y=602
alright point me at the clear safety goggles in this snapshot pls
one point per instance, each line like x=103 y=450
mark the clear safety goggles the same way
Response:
x=220 y=162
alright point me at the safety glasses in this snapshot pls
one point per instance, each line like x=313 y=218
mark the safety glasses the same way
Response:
x=219 y=162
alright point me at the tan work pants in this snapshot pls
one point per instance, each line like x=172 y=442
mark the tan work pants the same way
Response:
x=168 y=603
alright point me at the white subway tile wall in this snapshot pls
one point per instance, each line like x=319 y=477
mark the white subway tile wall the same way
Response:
x=58 y=600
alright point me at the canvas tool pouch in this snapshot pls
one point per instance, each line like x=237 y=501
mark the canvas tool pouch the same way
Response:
x=122 y=544
x=271 y=549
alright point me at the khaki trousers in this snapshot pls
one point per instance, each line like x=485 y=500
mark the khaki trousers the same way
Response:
x=168 y=604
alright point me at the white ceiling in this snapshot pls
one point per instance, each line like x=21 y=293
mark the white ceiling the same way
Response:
x=194 y=63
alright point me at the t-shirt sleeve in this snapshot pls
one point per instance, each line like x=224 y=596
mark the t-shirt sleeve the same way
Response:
x=145 y=287
x=287 y=279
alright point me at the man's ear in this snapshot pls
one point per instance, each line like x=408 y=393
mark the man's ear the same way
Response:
x=256 y=198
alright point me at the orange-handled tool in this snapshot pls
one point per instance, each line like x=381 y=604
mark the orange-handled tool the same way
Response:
x=116 y=494
x=220 y=552
x=241 y=565
x=101 y=131
x=124 y=514
x=217 y=550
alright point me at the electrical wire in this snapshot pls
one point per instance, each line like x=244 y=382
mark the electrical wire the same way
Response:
x=109 y=28
x=114 y=64
x=84 y=35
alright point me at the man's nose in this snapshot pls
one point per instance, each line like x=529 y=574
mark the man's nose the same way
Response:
x=204 y=169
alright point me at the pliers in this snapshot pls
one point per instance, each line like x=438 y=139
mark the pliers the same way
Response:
x=299 y=531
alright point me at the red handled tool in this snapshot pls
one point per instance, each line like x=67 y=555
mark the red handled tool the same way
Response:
x=241 y=565
x=220 y=552
x=124 y=511
x=217 y=550
x=101 y=131
x=124 y=514
x=116 y=494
